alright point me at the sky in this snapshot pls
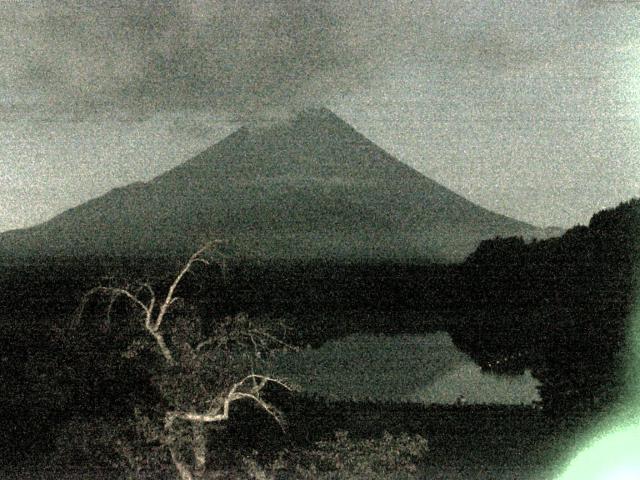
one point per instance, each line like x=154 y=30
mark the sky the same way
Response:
x=528 y=108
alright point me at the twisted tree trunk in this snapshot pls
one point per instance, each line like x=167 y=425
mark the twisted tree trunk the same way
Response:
x=199 y=449
x=249 y=387
x=184 y=472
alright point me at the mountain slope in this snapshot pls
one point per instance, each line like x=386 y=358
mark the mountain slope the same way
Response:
x=311 y=187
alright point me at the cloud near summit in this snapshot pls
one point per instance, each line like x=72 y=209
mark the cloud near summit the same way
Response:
x=144 y=56
x=78 y=57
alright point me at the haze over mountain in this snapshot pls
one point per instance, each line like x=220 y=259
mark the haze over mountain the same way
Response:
x=304 y=188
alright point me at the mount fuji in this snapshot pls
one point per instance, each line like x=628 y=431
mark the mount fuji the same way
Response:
x=310 y=187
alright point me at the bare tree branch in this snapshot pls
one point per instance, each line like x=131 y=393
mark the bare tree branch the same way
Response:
x=196 y=257
x=151 y=325
x=184 y=473
x=270 y=409
x=232 y=395
x=117 y=292
x=204 y=344
x=260 y=377
x=195 y=402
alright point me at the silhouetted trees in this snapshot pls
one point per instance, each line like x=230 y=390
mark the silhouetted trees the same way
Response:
x=559 y=306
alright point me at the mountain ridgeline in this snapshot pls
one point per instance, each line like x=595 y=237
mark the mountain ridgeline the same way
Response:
x=307 y=188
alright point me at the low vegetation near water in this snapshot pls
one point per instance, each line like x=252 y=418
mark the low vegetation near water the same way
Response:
x=99 y=443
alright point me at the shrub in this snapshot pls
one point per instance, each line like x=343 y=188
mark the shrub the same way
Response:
x=346 y=458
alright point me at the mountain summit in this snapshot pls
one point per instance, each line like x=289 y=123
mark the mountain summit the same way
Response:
x=306 y=188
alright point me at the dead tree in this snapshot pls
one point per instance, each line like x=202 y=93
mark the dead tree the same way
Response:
x=187 y=365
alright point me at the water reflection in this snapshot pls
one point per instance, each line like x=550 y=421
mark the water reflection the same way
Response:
x=425 y=368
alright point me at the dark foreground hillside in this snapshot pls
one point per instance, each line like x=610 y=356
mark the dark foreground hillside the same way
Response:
x=559 y=307
x=464 y=443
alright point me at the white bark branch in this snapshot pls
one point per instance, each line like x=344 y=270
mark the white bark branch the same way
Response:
x=162 y=345
x=249 y=387
x=196 y=257
x=184 y=473
x=265 y=378
x=117 y=291
x=204 y=343
x=199 y=449
x=153 y=325
x=232 y=396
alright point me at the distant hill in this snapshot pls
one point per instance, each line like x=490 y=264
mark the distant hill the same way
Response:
x=307 y=188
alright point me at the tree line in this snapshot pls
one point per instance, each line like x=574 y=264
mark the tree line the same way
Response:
x=561 y=307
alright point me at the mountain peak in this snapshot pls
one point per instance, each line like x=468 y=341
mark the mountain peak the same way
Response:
x=306 y=120
x=319 y=113
x=321 y=116
x=309 y=187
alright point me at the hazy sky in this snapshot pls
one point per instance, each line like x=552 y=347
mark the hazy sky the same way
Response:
x=529 y=108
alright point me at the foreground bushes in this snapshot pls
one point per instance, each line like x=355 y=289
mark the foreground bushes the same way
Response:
x=392 y=456
x=103 y=443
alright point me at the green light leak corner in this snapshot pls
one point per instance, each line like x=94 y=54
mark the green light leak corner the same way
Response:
x=613 y=452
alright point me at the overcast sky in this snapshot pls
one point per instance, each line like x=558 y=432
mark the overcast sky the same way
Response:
x=529 y=108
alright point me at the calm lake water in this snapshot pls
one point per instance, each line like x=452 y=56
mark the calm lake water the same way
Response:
x=419 y=368
x=424 y=368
